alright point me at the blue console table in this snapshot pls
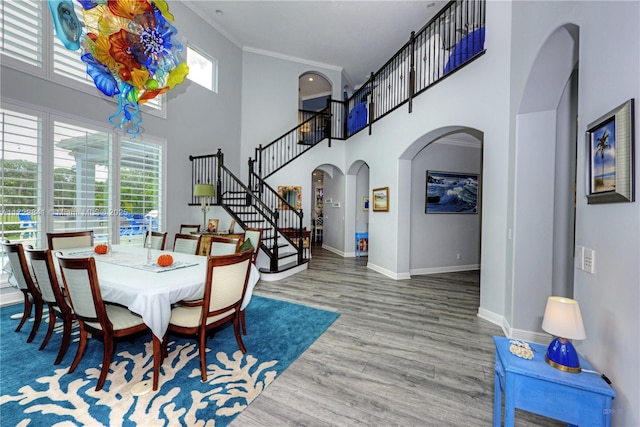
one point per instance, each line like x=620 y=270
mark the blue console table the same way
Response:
x=532 y=385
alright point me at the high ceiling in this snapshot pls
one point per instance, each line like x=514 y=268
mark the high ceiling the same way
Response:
x=358 y=36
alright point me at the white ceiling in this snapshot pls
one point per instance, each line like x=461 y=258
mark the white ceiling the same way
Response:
x=357 y=36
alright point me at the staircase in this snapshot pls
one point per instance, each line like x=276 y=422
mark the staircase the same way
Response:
x=261 y=208
x=451 y=40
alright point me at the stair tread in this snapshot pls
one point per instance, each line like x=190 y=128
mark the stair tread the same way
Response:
x=284 y=267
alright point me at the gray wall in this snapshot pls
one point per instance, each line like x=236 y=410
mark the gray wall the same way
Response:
x=438 y=239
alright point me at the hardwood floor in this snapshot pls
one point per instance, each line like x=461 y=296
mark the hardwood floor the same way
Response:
x=402 y=353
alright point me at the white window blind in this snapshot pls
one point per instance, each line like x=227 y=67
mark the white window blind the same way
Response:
x=140 y=187
x=20 y=176
x=21 y=30
x=81 y=165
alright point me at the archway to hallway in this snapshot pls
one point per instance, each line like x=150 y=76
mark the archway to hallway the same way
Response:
x=442 y=189
x=314 y=90
x=357 y=200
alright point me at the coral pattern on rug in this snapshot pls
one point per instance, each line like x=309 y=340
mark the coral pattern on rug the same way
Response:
x=55 y=397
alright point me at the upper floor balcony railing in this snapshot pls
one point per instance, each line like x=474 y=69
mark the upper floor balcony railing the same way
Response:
x=454 y=37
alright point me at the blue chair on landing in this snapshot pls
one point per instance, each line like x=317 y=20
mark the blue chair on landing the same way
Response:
x=27 y=225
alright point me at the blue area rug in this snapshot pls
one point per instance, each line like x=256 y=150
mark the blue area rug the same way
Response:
x=34 y=392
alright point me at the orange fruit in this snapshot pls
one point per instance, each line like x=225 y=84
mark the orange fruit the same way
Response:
x=101 y=249
x=165 y=260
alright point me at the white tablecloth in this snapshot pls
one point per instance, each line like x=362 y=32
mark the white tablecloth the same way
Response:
x=150 y=292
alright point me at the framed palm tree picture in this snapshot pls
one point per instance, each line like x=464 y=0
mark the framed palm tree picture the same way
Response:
x=610 y=141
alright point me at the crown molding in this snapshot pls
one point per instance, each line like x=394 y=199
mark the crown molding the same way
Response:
x=277 y=55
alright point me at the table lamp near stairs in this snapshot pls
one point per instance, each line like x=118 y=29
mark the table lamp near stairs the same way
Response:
x=205 y=192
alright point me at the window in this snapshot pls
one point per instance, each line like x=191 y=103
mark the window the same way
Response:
x=202 y=70
x=88 y=179
x=21 y=30
x=140 y=188
x=20 y=176
x=81 y=165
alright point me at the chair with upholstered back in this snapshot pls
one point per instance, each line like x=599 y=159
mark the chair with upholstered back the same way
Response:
x=189 y=228
x=255 y=236
x=72 y=239
x=158 y=240
x=94 y=316
x=225 y=286
x=224 y=245
x=187 y=243
x=44 y=273
x=24 y=281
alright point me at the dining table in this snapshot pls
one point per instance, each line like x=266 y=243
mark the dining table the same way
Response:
x=130 y=276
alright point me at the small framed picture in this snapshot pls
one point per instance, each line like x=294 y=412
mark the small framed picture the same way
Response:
x=212 y=226
x=365 y=203
x=381 y=199
x=610 y=144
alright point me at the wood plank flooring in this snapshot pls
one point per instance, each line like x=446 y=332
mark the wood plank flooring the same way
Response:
x=402 y=353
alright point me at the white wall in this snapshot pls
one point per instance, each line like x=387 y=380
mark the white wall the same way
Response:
x=437 y=239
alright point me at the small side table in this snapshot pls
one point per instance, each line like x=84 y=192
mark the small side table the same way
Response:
x=532 y=385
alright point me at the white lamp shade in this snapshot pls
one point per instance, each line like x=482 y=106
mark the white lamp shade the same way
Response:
x=204 y=190
x=562 y=318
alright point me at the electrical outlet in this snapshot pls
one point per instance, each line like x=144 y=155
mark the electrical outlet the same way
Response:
x=458 y=256
x=579 y=258
x=589 y=260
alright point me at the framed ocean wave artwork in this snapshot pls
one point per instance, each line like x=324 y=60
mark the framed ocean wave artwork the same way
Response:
x=451 y=192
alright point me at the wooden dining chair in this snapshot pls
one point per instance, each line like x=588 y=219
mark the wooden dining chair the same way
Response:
x=108 y=321
x=224 y=245
x=71 y=239
x=24 y=281
x=44 y=273
x=225 y=286
x=158 y=240
x=187 y=243
x=189 y=228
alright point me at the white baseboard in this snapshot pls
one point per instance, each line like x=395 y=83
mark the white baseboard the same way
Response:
x=388 y=273
x=446 y=269
x=510 y=332
x=334 y=250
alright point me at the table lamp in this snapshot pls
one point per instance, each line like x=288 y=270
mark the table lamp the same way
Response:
x=204 y=191
x=563 y=320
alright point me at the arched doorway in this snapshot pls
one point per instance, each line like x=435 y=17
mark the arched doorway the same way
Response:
x=313 y=92
x=545 y=181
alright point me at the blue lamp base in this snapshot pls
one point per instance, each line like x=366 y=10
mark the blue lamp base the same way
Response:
x=562 y=355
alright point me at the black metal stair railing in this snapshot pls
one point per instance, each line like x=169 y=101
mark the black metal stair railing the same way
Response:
x=265 y=209
x=453 y=38
x=286 y=148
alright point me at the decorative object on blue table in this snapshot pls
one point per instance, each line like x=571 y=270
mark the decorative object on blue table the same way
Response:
x=563 y=320
x=205 y=192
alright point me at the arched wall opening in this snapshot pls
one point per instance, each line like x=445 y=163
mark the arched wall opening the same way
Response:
x=544 y=184
x=446 y=241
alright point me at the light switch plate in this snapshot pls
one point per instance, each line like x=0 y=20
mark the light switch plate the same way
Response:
x=589 y=260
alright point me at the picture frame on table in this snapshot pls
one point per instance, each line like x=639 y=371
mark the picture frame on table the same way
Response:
x=610 y=155
x=451 y=192
x=212 y=226
x=380 y=199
